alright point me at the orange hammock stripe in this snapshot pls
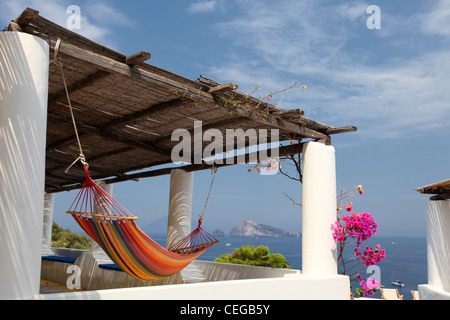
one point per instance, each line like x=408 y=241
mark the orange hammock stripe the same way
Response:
x=114 y=229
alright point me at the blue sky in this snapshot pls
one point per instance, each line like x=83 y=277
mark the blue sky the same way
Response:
x=392 y=83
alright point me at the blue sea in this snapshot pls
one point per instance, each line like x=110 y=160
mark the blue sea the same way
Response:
x=406 y=257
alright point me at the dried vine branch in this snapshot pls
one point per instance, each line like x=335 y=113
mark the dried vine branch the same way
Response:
x=236 y=99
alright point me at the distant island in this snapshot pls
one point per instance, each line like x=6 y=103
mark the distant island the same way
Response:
x=218 y=233
x=252 y=229
x=246 y=229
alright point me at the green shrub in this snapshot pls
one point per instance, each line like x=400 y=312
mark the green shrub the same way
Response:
x=64 y=238
x=260 y=256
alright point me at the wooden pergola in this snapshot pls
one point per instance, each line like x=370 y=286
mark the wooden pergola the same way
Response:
x=126 y=110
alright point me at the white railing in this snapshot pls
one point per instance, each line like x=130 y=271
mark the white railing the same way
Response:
x=215 y=271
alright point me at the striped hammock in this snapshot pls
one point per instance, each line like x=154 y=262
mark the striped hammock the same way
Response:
x=114 y=229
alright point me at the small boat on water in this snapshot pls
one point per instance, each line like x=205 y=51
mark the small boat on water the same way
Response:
x=228 y=244
x=398 y=283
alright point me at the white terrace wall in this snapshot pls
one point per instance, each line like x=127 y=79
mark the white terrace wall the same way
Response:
x=438 y=251
x=291 y=288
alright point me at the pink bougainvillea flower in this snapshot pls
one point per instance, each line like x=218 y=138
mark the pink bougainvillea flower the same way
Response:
x=349 y=207
x=360 y=189
x=369 y=288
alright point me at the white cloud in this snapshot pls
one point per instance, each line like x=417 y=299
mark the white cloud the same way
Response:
x=96 y=18
x=54 y=10
x=306 y=41
x=437 y=21
x=203 y=6
x=353 y=11
x=104 y=13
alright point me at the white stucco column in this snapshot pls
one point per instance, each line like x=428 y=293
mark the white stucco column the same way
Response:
x=24 y=71
x=438 y=244
x=318 y=210
x=106 y=206
x=49 y=204
x=180 y=206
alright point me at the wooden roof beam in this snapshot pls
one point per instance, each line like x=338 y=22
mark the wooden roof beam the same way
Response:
x=290 y=113
x=283 y=151
x=222 y=88
x=341 y=130
x=26 y=17
x=175 y=103
x=113 y=66
x=108 y=134
x=93 y=168
x=138 y=58
x=87 y=81
x=103 y=131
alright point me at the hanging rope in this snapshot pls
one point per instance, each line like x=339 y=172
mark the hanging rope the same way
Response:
x=55 y=61
x=214 y=171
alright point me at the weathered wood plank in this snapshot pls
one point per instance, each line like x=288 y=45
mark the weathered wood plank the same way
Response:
x=290 y=113
x=443 y=196
x=223 y=88
x=138 y=58
x=341 y=130
x=108 y=216
x=14 y=27
x=26 y=17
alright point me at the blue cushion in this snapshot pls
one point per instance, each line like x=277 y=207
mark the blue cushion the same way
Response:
x=110 y=267
x=59 y=259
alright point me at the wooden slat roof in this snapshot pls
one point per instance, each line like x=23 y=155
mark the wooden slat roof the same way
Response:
x=126 y=109
x=441 y=187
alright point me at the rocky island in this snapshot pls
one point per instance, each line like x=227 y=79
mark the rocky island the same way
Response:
x=218 y=233
x=252 y=229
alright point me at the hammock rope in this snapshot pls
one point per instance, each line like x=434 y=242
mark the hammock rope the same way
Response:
x=55 y=61
x=199 y=236
x=109 y=224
